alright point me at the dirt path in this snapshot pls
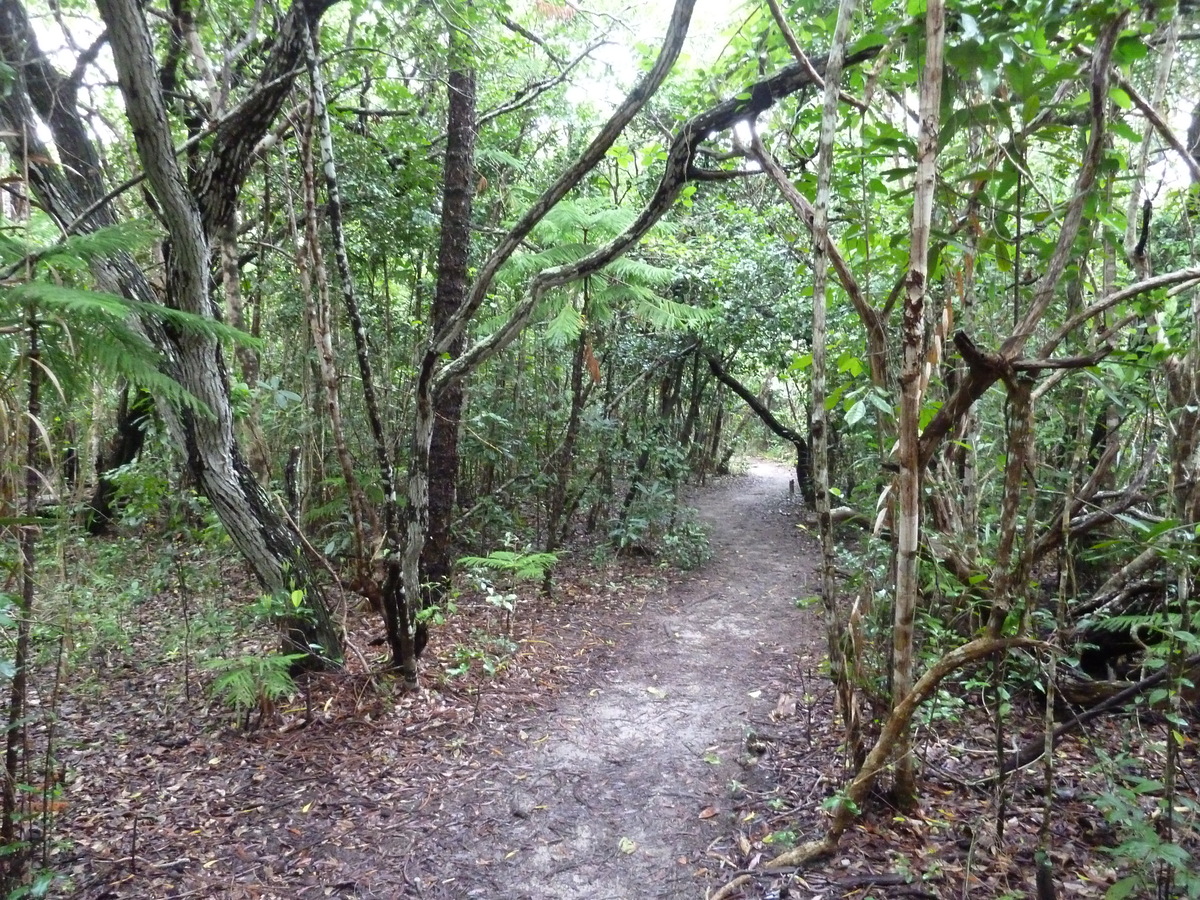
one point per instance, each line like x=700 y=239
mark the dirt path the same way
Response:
x=619 y=792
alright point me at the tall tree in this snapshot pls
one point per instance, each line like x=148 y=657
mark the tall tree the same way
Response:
x=913 y=337
x=72 y=195
x=454 y=252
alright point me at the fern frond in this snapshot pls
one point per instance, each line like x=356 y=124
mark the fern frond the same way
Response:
x=615 y=292
x=610 y=221
x=100 y=339
x=522 y=566
x=565 y=326
x=1144 y=623
x=667 y=315
x=77 y=303
x=569 y=215
x=636 y=270
x=499 y=158
x=105 y=242
x=558 y=254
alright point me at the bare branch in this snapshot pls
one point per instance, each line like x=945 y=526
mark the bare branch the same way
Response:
x=531 y=37
x=1190 y=274
x=802 y=57
x=527 y=96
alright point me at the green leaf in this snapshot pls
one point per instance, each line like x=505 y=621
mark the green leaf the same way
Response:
x=565 y=327
x=1123 y=888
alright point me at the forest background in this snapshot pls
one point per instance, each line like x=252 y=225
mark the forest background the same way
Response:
x=372 y=297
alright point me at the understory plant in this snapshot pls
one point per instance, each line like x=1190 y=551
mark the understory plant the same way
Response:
x=252 y=683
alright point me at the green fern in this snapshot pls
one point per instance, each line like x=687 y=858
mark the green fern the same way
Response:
x=498 y=159
x=638 y=271
x=667 y=315
x=85 y=332
x=247 y=683
x=565 y=327
x=521 y=566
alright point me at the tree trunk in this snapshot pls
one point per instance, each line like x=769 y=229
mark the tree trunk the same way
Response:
x=314 y=284
x=908 y=518
x=271 y=548
x=454 y=253
x=819 y=431
x=390 y=593
x=558 y=519
x=14 y=745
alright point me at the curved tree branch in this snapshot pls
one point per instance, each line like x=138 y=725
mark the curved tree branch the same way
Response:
x=744 y=106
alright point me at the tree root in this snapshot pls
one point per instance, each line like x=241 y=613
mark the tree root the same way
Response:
x=850 y=802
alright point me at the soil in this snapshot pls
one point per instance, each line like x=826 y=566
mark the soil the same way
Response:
x=613 y=756
x=622 y=790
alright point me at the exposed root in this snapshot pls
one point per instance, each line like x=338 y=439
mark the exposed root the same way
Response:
x=796 y=857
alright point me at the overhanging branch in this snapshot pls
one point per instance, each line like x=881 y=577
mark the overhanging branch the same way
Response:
x=743 y=106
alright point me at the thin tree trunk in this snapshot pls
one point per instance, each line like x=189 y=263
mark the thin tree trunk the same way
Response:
x=14 y=748
x=454 y=252
x=1007 y=576
x=819 y=432
x=557 y=521
x=908 y=519
x=395 y=615
x=314 y=283
x=1135 y=246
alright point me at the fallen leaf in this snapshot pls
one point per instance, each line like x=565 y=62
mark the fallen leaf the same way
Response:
x=626 y=846
x=708 y=812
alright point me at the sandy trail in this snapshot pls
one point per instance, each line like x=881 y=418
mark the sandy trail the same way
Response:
x=619 y=791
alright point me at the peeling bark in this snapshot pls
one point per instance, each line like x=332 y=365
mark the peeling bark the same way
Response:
x=72 y=195
x=908 y=483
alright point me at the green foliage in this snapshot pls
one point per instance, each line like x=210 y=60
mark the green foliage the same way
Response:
x=685 y=545
x=85 y=332
x=655 y=524
x=253 y=682
x=8 y=602
x=1135 y=806
x=518 y=565
x=143 y=489
x=491 y=653
x=40 y=886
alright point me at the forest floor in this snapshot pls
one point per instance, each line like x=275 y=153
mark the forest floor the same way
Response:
x=644 y=733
